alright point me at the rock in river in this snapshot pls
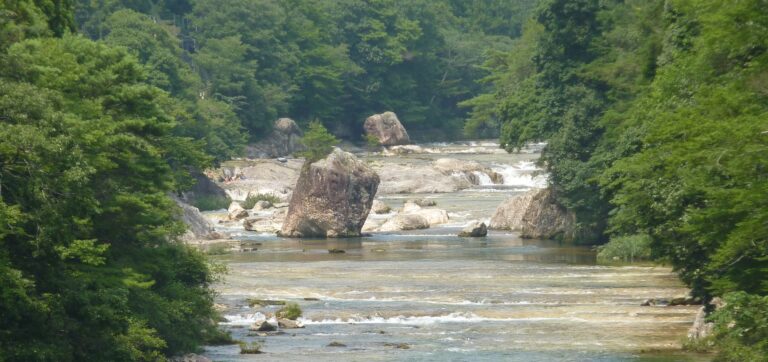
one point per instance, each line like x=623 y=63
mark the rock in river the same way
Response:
x=332 y=198
x=283 y=141
x=474 y=229
x=263 y=326
x=535 y=215
x=405 y=222
x=387 y=128
x=379 y=207
x=236 y=212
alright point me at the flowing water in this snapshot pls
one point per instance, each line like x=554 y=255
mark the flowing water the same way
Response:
x=430 y=295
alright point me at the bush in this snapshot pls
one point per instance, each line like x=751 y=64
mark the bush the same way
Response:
x=211 y=202
x=250 y=348
x=741 y=328
x=318 y=141
x=252 y=199
x=625 y=248
x=290 y=311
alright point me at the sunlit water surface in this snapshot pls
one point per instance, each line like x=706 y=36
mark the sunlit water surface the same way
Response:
x=430 y=295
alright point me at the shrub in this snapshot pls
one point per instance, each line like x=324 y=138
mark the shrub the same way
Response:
x=625 y=248
x=318 y=141
x=250 y=348
x=211 y=202
x=290 y=311
x=741 y=328
x=252 y=199
x=372 y=142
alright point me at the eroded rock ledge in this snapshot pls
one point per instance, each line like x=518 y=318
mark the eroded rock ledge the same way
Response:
x=536 y=215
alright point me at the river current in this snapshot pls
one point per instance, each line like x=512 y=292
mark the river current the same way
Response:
x=429 y=295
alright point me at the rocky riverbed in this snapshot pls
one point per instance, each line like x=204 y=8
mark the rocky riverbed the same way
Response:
x=414 y=290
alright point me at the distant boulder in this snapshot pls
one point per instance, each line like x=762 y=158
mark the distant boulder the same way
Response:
x=536 y=215
x=198 y=227
x=236 y=212
x=332 y=198
x=474 y=229
x=379 y=207
x=405 y=222
x=283 y=141
x=387 y=129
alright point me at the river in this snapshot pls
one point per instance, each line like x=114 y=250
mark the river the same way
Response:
x=430 y=295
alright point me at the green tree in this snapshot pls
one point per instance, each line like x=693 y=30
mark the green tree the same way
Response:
x=318 y=142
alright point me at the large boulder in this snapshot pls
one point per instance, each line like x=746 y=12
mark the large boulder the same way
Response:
x=387 y=129
x=283 y=141
x=198 y=227
x=535 y=215
x=332 y=198
x=474 y=229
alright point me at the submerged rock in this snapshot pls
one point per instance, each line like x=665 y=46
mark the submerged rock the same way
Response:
x=387 y=129
x=474 y=229
x=332 y=198
x=283 y=141
x=535 y=215
x=405 y=222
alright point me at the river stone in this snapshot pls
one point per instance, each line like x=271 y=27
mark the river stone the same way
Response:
x=379 y=207
x=236 y=212
x=289 y=324
x=405 y=222
x=387 y=129
x=433 y=216
x=261 y=205
x=474 y=229
x=263 y=326
x=423 y=202
x=332 y=198
x=410 y=207
x=283 y=141
x=535 y=215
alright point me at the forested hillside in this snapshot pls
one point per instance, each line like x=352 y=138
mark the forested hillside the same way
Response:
x=333 y=61
x=656 y=118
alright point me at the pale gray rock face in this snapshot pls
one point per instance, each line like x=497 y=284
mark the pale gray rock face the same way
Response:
x=379 y=207
x=198 y=227
x=474 y=229
x=332 y=198
x=405 y=222
x=236 y=212
x=283 y=141
x=535 y=215
x=387 y=128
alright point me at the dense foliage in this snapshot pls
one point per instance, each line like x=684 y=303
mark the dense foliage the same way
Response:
x=656 y=117
x=334 y=61
x=89 y=152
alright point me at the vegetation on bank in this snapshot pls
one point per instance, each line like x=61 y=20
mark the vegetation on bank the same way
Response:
x=656 y=118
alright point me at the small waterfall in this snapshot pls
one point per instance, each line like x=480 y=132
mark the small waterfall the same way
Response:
x=522 y=174
x=483 y=179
